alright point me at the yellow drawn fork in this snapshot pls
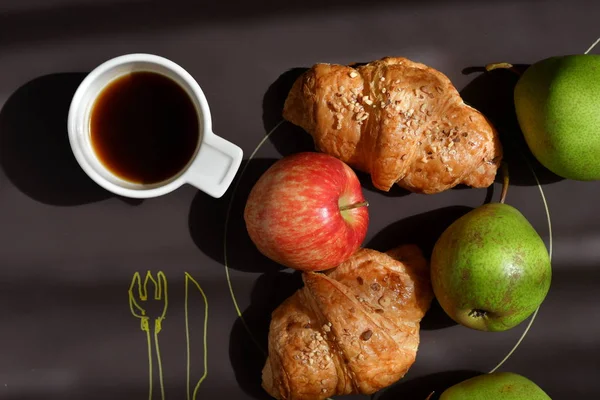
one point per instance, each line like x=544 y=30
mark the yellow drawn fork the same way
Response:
x=160 y=294
x=141 y=295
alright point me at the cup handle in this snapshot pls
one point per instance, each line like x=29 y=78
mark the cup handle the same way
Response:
x=215 y=165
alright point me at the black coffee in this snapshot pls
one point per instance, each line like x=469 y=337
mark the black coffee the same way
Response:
x=144 y=127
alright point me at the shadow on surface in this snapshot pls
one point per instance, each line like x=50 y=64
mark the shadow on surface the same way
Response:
x=492 y=94
x=95 y=393
x=436 y=318
x=291 y=139
x=419 y=388
x=76 y=316
x=247 y=358
x=421 y=229
x=367 y=184
x=275 y=96
x=207 y=216
x=38 y=21
x=288 y=138
x=34 y=145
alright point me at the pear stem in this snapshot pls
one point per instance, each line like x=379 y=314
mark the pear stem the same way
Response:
x=430 y=394
x=354 y=205
x=505 y=181
x=592 y=46
x=502 y=65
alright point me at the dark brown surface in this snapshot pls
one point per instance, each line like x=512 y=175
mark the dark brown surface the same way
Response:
x=68 y=249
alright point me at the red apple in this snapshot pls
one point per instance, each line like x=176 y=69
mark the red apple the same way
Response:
x=307 y=212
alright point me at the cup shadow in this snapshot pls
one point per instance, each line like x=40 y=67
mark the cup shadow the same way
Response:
x=34 y=146
x=249 y=336
x=207 y=216
x=491 y=93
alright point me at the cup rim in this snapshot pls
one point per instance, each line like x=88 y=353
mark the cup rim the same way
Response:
x=75 y=109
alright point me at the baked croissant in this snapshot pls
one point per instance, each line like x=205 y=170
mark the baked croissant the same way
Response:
x=401 y=121
x=354 y=329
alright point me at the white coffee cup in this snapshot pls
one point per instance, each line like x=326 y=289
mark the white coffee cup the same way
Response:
x=214 y=163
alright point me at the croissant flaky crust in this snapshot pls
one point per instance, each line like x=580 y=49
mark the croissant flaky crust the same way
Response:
x=354 y=329
x=401 y=121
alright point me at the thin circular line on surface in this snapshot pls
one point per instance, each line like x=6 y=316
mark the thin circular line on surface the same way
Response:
x=592 y=46
x=226 y=264
x=229 y=206
x=537 y=181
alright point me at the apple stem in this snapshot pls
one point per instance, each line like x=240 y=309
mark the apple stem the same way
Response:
x=505 y=181
x=354 y=205
x=502 y=65
x=430 y=394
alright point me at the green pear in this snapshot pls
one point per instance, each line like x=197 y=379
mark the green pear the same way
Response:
x=495 y=386
x=490 y=269
x=557 y=101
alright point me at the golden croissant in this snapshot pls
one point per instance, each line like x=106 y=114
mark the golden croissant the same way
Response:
x=401 y=121
x=354 y=329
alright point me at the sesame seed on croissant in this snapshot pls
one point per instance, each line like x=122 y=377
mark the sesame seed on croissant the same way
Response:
x=401 y=121
x=354 y=329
